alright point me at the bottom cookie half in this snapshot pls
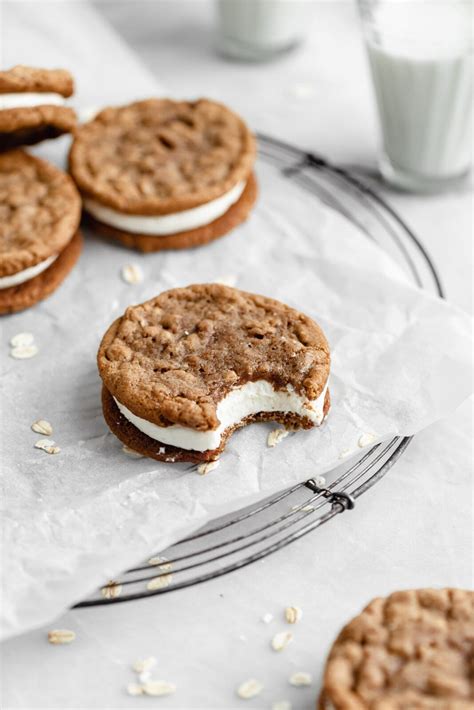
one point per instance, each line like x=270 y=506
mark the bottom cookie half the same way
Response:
x=17 y=298
x=145 y=445
x=234 y=216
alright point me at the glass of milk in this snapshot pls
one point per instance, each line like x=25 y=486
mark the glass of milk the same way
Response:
x=420 y=54
x=258 y=30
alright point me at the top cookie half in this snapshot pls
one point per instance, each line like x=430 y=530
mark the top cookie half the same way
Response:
x=159 y=156
x=172 y=360
x=33 y=105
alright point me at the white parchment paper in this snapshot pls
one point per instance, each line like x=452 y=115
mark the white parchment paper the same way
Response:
x=401 y=360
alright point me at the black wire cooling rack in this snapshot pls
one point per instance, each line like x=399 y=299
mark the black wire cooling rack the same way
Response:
x=238 y=539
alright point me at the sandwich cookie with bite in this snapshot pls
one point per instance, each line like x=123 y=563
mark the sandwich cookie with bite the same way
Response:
x=410 y=651
x=161 y=174
x=40 y=211
x=33 y=105
x=183 y=371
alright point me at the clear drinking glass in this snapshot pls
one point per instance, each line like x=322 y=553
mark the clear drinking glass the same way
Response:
x=420 y=54
x=257 y=30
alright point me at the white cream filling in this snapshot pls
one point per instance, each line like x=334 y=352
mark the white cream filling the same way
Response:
x=21 y=276
x=161 y=225
x=251 y=398
x=28 y=99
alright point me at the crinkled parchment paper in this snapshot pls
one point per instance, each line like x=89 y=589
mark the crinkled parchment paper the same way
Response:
x=71 y=521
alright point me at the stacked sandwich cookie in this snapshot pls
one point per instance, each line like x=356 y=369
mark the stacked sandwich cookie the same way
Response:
x=40 y=212
x=33 y=105
x=161 y=174
x=183 y=371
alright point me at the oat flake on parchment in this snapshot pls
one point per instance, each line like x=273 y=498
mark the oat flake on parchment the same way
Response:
x=24 y=352
x=144 y=664
x=61 y=636
x=41 y=426
x=132 y=274
x=207 y=467
x=47 y=445
x=159 y=582
x=366 y=439
x=112 y=590
x=134 y=689
x=162 y=562
x=158 y=688
x=293 y=614
x=22 y=340
x=267 y=618
x=276 y=436
x=281 y=640
x=249 y=689
x=300 y=679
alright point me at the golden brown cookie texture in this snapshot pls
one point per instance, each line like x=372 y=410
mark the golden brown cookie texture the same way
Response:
x=172 y=359
x=27 y=125
x=199 y=236
x=40 y=211
x=25 y=79
x=159 y=156
x=413 y=650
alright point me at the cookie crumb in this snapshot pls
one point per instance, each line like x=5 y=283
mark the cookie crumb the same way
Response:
x=61 y=636
x=207 y=467
x=293 y=614
x=276 y=436
x=366 y=439
x=249 y=689
x=41 y=426
x=281 y=640
x=300 y=679
x=132 y=274
x=267 y=618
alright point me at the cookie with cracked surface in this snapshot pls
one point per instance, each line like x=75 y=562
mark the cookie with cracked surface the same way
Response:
x=40 y=211
x=414 y=649
x=183 y=371
x=33 y=105
x=162 y=174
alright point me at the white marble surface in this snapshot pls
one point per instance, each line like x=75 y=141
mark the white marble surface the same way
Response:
x=412 y=529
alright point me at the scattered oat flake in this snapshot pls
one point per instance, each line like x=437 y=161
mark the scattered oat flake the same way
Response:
x=281 y=640
x=24 y=352
x=344 y=453
x=276 y=436
x=61 y=636
x=130 y=452
x=112 y=590
x=300 y=679
x=41 y=426
x=281 y=705
x=204 y=468
x=144 y=664
x=161 y=562
x=293 y=614
x=249 y=689
x=158 y=688
x=159 y=582
x=267 y=618
x=227 y=280
x=134 y=689
x=307 y=509
x=320 y=481
x=21 y=340
x=132 y=274
x=366 y=439
x=44 y=443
